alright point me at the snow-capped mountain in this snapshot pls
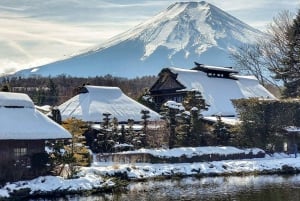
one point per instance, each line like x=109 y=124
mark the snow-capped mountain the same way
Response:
x=185 y=32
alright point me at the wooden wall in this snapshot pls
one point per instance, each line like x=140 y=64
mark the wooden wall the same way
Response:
x=7 y=148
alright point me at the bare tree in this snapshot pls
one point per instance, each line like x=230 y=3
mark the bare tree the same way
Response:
x=276 y=48
x=249 y=59
x=265 y=59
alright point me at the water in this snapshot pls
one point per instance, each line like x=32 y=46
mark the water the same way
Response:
x=247 y=188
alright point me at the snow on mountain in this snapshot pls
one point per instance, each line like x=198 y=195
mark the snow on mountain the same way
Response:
x=185 y=32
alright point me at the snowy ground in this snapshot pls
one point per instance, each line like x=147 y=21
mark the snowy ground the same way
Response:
x=93 y=177
x=145 y=170
x=194 y=151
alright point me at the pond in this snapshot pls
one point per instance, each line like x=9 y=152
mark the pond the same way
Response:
x=246 y=188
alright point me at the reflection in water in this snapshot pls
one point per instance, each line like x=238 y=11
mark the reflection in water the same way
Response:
x=248 y=188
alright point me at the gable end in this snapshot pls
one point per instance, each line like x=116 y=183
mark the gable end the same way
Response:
x=167 y=81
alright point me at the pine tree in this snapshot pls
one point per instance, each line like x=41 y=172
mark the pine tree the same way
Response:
x=60 y=157
x=291 y=61
x=193 y=99
x=195 y=104
x=106 y=120
x=52 y=94
x=130 y=123
x=122 y=136
x=220 y=132
x=5 y=88
x=129 y=132
x=170 y=110
x=147 y=100
x=183 y=129
x=143 y=136
x=106 y=138
x=39 y=97
x=77 y=128
x=74 y=154
x=115 y=129
x=196 y=137
x=145 y=117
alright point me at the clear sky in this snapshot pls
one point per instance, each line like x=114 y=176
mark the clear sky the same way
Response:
x=35 y=32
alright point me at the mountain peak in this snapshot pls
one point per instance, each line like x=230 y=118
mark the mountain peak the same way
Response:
x=186 y=24
x=190 y=4
x=202 y=5
x=183 y=33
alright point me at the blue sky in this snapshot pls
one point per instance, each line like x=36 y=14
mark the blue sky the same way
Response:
x=35 y=32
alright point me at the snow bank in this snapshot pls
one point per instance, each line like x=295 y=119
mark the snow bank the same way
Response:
x=193 y=151
x=48 y=184
x=174 y=105
x=274 y=164
x=91 y=178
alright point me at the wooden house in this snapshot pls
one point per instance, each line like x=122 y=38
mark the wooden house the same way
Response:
x=23 y=133
x=218 y=86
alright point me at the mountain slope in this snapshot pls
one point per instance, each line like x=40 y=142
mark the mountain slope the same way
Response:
x=183 y=33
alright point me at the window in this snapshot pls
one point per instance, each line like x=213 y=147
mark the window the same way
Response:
x=179 y=99
x=20 y=151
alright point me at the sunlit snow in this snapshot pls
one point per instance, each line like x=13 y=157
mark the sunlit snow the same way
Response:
x=20 y=120
x=218 y=92
x=94 y=177
x=90 y=106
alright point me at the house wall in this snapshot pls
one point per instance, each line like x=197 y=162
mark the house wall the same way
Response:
x=167 y=88
x=8 y=152
x=15 y=159
x=165 y=96
x=7 y=147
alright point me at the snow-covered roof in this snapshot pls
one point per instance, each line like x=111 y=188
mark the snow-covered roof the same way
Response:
x=292 y=129
x=218 y=92
x=90 y=106
x=15 y=100
x=227 y=120
x=44 y=108
x=21 y=121
x=214 y=68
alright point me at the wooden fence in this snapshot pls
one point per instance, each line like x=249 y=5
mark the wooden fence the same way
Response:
x=148 y=158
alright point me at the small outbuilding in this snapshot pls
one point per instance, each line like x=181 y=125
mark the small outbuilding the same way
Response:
x=292 y=139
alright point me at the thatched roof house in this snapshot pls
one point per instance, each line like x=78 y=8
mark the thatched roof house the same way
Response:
x=218 y=85
x=23 y=131
x=93 y=101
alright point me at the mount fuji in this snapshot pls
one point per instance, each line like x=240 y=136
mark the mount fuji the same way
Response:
x=185 y=32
